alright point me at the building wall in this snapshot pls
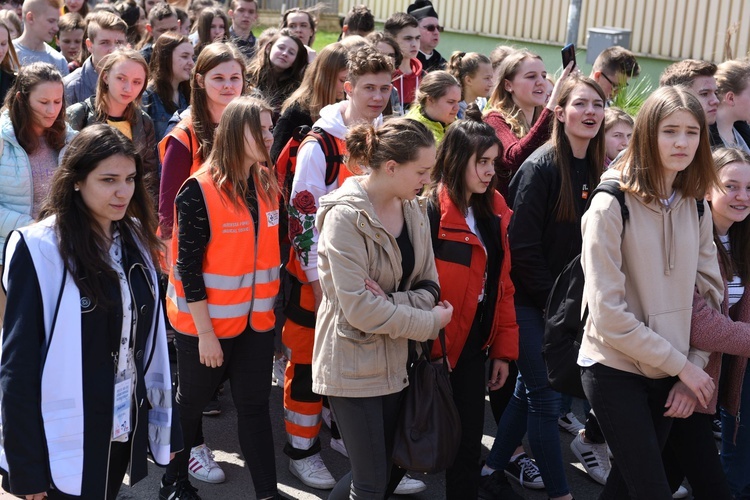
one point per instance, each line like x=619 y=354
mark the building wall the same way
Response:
x=668 y=29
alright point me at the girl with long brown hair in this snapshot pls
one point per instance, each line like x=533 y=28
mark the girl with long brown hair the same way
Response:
x=168 y=90
x=218 y=78
x=122 y=79
x=639 y=289
x=548 y=196
x=222 y=287
x=87 y=394
x=34 y=133
x=519 y=111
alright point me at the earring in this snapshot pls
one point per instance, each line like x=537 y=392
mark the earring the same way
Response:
x=76 y=188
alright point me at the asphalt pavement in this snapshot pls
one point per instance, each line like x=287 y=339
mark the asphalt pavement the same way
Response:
x=221 y=436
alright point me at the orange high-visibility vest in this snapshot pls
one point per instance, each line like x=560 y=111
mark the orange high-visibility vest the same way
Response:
x=240 y=267
x=185 y=133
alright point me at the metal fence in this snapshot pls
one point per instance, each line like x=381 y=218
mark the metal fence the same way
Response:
x=670 y=29
x=281 y=5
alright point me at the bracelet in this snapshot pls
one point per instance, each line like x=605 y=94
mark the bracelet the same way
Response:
x=206 y=332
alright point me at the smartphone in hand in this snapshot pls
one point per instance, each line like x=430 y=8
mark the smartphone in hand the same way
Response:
x=569 y=54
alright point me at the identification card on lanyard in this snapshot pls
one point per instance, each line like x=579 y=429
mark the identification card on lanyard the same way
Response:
x=121 y=422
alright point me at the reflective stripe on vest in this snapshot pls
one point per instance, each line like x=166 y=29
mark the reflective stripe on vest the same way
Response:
x=240 y=268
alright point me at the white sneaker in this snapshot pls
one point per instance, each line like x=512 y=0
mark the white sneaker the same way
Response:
x=570 y=423
x=201 y=465
x=409 y=486
x=279 y=368
x=338 y=445
x=593 y=457
x=681 y=492
x=312 y=472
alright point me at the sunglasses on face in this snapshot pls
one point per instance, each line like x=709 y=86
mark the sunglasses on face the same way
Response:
x=433 y=27
x=616 y=86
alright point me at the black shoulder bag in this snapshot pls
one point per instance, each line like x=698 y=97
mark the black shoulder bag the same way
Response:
x=428 y=432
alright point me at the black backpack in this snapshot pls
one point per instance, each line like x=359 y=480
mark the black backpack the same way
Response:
x=563 y=330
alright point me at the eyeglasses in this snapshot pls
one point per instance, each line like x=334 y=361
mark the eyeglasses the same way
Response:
x=433 y=27
x=615 y=86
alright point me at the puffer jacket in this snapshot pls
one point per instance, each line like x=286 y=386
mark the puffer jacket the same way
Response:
x=361 y=340
x=16 y=187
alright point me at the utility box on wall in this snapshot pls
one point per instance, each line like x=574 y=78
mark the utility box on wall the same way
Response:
x=603 y=38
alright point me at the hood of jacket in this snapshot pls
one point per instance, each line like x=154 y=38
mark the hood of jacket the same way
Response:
x=407 y=85
x=7 y=132
x=416 y=70
x=351 y=194
x=332 y=120
x=659 y=209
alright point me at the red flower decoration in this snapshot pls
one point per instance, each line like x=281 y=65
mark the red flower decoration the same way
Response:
x=304 y=202
x=295 y=228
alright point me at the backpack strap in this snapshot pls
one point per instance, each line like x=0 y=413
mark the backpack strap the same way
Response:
x=334 y=158
x=613 y=188
x=701 y=208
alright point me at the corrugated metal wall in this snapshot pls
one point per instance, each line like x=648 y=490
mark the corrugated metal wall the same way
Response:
x=672 y=29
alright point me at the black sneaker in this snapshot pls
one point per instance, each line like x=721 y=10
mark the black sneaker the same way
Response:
x=180 y=490
x=214 y=406
x=497 y=487
x=524 y=470
x=716 y=427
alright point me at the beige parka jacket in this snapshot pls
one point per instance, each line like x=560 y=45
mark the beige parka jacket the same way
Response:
x=361 y=340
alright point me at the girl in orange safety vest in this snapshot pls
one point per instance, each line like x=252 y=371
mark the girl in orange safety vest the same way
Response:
x=222 y=287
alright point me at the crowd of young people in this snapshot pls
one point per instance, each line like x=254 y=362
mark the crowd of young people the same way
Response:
x=143 y=182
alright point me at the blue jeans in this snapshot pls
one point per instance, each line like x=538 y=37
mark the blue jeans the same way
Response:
x=735 y=456
x=534 y=407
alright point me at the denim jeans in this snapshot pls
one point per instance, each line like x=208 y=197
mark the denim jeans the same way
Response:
x=735 y=456
x=534 y=407
x=630 y=410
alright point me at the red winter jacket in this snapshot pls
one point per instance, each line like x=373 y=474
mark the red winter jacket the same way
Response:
x=407 y=85
x=461 y=282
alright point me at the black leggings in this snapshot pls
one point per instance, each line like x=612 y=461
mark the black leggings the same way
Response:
x=247 y=364
x=367 y=426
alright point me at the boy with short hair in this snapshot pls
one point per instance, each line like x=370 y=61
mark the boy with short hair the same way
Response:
x=244 y=15
x=698 y=78
x=161 y=19
x=359 y=21
x=405 y=29
x=105 y=32
x=613 y=68
x=40 y=19
x=70 y=37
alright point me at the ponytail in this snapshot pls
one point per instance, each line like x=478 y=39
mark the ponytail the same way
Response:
x=399 y=139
